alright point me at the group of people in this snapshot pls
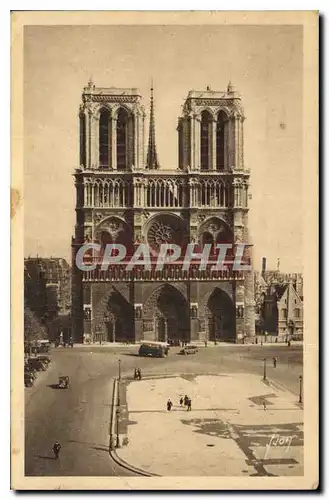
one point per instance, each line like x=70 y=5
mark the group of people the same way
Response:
x=186 y=401
x=177 y=342
x=138 y=374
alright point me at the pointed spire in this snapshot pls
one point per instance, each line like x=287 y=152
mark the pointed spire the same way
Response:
x=152 y=157
x=230 y=87
x=90 y=82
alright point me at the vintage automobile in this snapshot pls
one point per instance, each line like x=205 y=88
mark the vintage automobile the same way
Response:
x=63 y=382
x=154 y=349
x=44 y=359
x=36 y=364
x=28 y=379
x=189 y=349
x=43 y=346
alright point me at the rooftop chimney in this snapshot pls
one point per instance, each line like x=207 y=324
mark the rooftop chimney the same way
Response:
x=263 y=265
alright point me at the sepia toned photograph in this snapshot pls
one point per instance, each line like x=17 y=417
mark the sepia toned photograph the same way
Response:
x=164 y=215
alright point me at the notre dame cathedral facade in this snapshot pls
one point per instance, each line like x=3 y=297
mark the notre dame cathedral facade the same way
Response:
x=124 y=196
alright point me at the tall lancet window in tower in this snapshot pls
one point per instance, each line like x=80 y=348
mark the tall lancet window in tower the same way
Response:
x=220 y=140
x=104 y=139
x=205 y=138
x=122 y=137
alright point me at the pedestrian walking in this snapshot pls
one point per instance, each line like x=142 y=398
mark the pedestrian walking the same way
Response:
x=56 y=449
x=136 y=374
x=264 y=404
x=181 y=401
x=185 y=400
x=274 y=362
x=169 y=405
x=139 y=374
x=205 y=343
x=189 y=404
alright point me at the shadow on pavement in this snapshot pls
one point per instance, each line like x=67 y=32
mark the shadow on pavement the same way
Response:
x=96 y=446
x=99 y=448
x=44 y=457
x=53 y=386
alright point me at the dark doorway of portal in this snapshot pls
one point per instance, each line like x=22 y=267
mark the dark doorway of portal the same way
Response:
x=115 y=331
x=220 y=317
x=171 y=315
x=119 y=319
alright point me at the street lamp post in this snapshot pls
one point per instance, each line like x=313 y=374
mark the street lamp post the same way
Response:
x=117 y=445
x=264 y=377
x=119 y=361
x=300 y=389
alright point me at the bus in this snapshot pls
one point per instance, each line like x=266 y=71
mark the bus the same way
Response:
x=153 y=349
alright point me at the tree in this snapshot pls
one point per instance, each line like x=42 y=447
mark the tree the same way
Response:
x=33 y=329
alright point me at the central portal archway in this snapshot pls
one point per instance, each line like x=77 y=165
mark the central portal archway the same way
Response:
x=220 y=317
x=170 y=313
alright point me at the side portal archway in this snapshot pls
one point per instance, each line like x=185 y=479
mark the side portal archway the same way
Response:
x=220 y=317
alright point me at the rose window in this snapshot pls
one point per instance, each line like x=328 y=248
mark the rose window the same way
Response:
x=168 y=230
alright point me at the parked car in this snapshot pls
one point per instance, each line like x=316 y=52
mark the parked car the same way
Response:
x=44 y=348
x=28 y=379
x=44 y=359
x=154 y=349
x=28 y=368
x=36 y=364
x=189 y=349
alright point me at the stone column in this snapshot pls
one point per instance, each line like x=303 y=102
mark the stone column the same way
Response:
x=194 y=322
x=113 y=331
x=87 y=145
x=192 y=141
x=249 y=317
x=85 y=195
x=114 y=143
x=239 y=312
x=96 y=141
x=197 y=155
x=131 y=146
x=93 y=148
x=136 y=141
x=236 y=141
x=232 y=142
x=144 y=193
x=142 y=145
x=226 y=145
x=166 y=330
x=185 y=145
x=92 y=201
x=241 y=144
x=236 y=132
x=214 y=145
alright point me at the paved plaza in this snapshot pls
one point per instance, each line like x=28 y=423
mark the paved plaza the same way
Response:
x=229 y=432
x=80 y=416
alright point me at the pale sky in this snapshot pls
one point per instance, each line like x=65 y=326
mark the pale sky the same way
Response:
x=263 y=62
